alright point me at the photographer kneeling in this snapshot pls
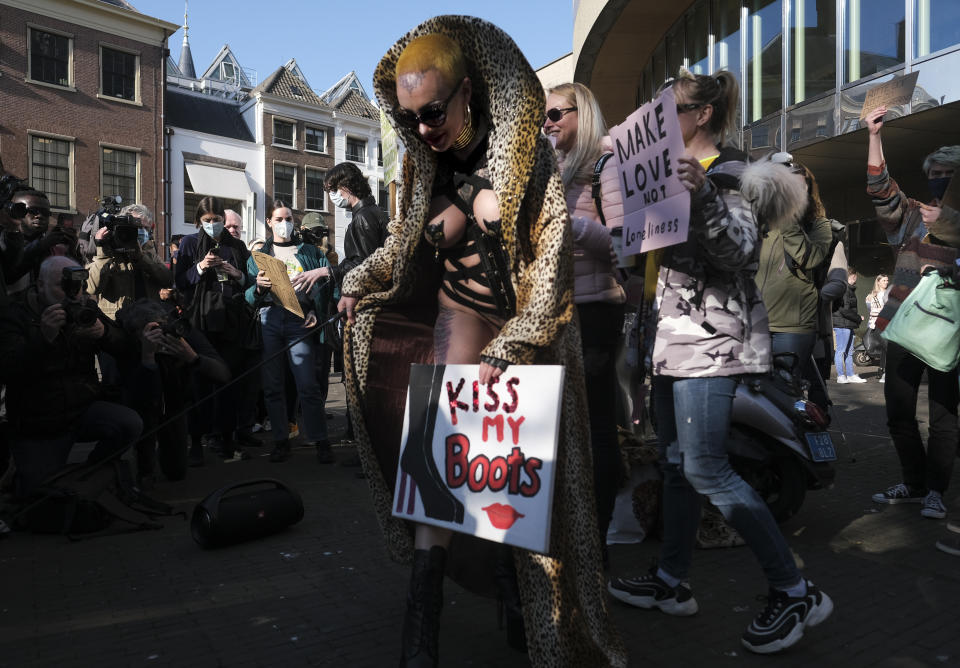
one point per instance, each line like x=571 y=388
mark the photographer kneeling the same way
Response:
x=47 y=349
x=165 y=357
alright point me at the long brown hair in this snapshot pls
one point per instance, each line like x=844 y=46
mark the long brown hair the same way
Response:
x=208 y=205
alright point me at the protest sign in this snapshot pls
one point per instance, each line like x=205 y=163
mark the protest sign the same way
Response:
x=481 y=460
x=893 y=93
x=281 y=289
x=656 y=206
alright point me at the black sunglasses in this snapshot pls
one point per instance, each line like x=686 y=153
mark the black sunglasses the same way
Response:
x=432 y=115
x=37 y=211
x=557 y=113
x=688 y=106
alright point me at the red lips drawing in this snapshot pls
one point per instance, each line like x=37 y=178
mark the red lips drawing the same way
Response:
x=502 y=516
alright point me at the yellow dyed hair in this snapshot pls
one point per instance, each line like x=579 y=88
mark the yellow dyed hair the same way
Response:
x=433 y=51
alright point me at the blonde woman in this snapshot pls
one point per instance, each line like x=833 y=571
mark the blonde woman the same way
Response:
x=574 y=121
x=875 y=302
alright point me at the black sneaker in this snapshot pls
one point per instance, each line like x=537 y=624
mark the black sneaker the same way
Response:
x=781 y=624
x=649 y=591
x=324 y=453
x=281 y=452
x=900 y=493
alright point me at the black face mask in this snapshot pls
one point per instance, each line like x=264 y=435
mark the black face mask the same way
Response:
x=938 y=186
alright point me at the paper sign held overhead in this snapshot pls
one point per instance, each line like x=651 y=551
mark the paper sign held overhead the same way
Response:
x=893 y=93
x=481 y=459
x=656 y=205
x=281 y=289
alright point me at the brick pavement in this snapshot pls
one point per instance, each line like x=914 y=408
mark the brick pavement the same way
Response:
x=323 y=593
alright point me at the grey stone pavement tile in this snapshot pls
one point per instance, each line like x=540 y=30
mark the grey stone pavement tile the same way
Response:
x=324 y=593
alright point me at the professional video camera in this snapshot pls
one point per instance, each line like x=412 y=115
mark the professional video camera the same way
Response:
x=121 y=240
x=73 y=280
x=10 y=184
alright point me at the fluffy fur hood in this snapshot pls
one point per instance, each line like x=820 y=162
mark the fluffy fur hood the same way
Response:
x=777 y=195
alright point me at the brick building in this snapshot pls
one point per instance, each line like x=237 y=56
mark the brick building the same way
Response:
x=81 y=97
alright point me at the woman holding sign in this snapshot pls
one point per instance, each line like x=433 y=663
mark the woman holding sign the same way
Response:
x=283 y=329
x=711 y=330
x=479 y=257
x=575 y=122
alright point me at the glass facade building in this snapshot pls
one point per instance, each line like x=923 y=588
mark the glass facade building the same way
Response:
x=804 y=66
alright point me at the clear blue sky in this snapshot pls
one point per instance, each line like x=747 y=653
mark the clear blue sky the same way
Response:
x=329 y=39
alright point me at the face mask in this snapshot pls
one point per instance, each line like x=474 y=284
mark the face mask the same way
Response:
x=213 y=229
x=339 y=200
x=283 y=230
x=143 y=235
x=938 y=186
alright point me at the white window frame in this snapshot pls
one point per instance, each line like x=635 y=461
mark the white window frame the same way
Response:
x=128 y=149
x=326 y=139
x=362 y=142
x=273 y=132
x=28 y=74
x=273 y=182
x=72 y=178
x=322 y=188
x=136 y=97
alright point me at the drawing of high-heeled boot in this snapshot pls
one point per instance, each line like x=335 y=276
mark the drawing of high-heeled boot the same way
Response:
x=426 y=385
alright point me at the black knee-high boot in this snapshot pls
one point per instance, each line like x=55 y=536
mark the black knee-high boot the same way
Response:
x=508 y=595
x=421 y=625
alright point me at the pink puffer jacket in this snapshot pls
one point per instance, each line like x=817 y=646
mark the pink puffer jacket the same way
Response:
x=594 y=260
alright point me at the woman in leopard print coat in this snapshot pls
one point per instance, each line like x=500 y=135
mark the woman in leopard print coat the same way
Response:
x=563 y=604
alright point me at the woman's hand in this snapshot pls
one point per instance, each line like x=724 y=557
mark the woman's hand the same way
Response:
x=211 y=259
x=231 y=271
x=691 y=173
x=489 y=373
x=874 y=120
x=930 y=214
x=310 y=320
x=348 y=304
x=264 y=284
x=305 y=281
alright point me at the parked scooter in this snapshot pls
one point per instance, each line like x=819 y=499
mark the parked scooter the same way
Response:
x=869 y=350
x=778 y=440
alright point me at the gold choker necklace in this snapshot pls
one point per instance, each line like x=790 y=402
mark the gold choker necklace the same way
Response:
x=466 y=134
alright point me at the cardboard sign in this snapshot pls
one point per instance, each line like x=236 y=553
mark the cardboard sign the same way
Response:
x=951 y=197
x=893 y=93
x=481 y=459
x=281 y=288
x=656 y=206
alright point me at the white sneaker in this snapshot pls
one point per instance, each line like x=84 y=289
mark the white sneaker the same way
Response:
x=841 y=379
x=856 y=379
x=883 y=378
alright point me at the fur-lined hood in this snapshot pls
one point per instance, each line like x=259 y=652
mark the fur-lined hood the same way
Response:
x=777 y=195
x=505 y=88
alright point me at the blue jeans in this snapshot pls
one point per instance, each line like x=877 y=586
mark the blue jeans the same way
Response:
x=280 y=329
x=693 y=417
x=843 y=358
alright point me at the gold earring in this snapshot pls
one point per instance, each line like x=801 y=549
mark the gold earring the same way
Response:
x=467 y=133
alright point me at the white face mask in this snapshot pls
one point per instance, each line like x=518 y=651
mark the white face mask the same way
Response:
x=283 y=230
x=339 y=200
x=213 y=229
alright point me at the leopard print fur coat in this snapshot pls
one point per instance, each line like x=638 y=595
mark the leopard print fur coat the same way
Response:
x=563 y=595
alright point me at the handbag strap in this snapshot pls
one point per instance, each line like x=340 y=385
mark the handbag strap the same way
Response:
x=595 y=190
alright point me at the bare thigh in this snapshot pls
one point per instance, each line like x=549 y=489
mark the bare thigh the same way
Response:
x=461 y=334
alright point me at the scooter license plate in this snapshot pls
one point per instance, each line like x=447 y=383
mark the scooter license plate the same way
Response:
x=821 y=446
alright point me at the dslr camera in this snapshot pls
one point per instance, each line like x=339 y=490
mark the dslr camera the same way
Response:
x=9 y=185
x=121 y=241
x=82 y=314
x=176 y=323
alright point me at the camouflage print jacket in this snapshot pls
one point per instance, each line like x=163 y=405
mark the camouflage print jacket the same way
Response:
x=711 y=320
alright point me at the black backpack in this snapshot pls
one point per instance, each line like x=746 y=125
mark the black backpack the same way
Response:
x=89 y=499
